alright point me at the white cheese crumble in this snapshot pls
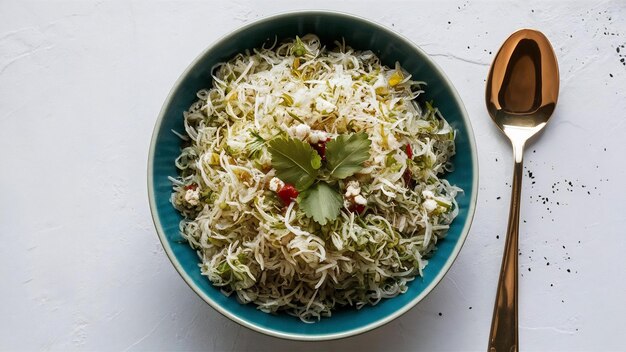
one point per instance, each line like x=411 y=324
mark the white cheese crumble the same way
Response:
x=353 y=189
x=428 y=194
x=276 y=184
x=353 y=194
x=317 y=136
x=360 y=200
x=430 y=205
x=300 y=131
x=192 y=196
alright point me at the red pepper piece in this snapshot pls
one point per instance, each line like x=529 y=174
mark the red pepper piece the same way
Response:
x=191 y=186
x=357 y=208
x=408 y=177
x=288 y=193
x=409 y=151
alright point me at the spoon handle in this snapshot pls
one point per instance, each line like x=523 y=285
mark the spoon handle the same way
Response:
x=504 y=333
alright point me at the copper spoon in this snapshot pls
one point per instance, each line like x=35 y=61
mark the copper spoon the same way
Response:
x=522 y=91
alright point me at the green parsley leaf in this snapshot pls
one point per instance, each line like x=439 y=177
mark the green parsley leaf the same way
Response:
x=321 y=202
x=295 y=161
x=346 y=154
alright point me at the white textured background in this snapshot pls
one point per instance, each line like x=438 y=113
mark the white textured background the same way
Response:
x=81 y=268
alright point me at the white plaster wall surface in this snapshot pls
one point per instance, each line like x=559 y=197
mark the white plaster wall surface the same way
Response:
x=81 y=84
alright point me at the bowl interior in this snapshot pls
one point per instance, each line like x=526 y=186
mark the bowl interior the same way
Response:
x=359 y=34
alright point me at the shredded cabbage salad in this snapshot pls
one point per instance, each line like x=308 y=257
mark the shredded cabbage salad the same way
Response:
x=311 y=178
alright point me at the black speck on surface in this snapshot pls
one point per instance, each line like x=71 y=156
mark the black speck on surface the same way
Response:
x=470 y=307
x=498 y=197
x=569 y=271
x=449 y=22
x=440 y=314
x=497 y=237
x=610 y=74
x=551 y=285
x=528 y=269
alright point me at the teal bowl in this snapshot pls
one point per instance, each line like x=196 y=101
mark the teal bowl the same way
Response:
x=360 y=34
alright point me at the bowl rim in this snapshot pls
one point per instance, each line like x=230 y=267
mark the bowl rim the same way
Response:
x=275 y=332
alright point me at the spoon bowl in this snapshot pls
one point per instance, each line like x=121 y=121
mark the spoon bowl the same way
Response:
x=523 y=84
x=522 y=92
